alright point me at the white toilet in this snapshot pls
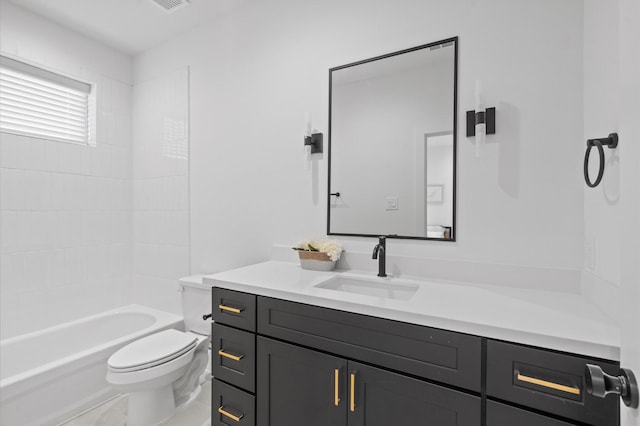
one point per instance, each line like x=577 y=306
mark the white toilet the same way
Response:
x=163 y=371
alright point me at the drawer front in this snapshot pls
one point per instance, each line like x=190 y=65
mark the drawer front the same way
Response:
x=231 y=406
x=439 y=355
x=548 y=381
x=502 y=415
x=234 y=308
x=233 y=356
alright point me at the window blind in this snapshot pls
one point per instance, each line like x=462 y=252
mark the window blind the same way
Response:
x=42 y=104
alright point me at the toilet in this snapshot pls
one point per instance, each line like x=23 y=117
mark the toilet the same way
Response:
x=165 y=370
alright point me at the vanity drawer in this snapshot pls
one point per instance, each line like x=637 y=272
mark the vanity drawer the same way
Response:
x=549 y=381
x=231 y=406
x=233 y=356
x=234 y=308
x=435 y=354
x=501 y=415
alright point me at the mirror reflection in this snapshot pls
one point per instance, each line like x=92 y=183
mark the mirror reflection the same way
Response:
x=392 y=144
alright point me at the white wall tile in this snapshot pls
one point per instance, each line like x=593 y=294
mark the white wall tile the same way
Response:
x=12 y=193
x=60 y=273
x=10 y=231
x=38 y=188
x=52 y=163
x=12 y=272
x=176 y=228
x=15 y=151
x=8 y=150
x=97 y=261
x=38 y=267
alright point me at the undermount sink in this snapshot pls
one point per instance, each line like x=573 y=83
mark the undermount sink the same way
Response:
x=370 y=287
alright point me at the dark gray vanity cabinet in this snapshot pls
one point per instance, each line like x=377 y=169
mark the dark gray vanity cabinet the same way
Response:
x=297 y=386
x=332 y=367
x=439 y=355
x=282 y=363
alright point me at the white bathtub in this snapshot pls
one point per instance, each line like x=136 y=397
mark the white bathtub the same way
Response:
x=50 y=375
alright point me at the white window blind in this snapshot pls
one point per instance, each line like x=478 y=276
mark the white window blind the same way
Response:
x=42 y=104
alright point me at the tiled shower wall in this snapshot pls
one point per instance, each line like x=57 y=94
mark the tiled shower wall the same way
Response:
x=68 y=243
x=160 y=189
x=66 y=220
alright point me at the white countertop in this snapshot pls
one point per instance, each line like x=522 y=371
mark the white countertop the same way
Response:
x=560 y=321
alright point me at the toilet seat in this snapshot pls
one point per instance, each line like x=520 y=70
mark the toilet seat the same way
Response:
x=151 y=351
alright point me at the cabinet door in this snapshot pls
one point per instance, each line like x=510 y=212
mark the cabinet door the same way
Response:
x=298 y=386
x=381 y=398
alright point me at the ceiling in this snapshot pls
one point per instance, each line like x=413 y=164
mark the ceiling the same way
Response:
x=130 y=26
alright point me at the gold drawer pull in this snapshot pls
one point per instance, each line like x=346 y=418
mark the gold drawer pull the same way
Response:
x=229 y=309
x=336 y=396
x=352 y=404
x=546 y=384
x=225 y=413
x=230 y=356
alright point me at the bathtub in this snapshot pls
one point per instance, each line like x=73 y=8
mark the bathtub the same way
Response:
x=53 y=374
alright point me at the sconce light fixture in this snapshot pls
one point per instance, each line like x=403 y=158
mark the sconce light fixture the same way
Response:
x=313 y=143
x=481 y=121
x=312 y=140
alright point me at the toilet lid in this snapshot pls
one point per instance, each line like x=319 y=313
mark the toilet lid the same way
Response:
x=152 y=350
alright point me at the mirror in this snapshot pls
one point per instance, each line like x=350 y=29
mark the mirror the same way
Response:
x=392 y=144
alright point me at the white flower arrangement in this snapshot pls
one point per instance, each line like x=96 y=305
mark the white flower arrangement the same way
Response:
x=332 y=248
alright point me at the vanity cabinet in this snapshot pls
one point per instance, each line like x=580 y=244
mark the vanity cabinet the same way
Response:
x=303 y=386
x=283 y=363
x=434 y=354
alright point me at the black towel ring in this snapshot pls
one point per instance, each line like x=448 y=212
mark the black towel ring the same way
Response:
x=611 y=141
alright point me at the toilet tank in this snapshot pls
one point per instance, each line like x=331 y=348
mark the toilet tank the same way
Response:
x=196 y=302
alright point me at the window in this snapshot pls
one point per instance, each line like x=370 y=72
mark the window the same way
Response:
x=42 y=104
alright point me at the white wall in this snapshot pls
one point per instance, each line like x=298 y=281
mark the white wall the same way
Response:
x=629 y=80
x=65 y=209
x=257 y=70
x=602 y=210
x=612 y=210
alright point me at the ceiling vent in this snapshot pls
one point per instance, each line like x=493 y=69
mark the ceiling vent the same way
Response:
x=170 y=6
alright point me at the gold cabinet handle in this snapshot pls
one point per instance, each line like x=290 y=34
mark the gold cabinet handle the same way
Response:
x=225 y=413
x=229 y=309
x=230 y=356
x=352 y=393
x=336 y=387
x=569 y=389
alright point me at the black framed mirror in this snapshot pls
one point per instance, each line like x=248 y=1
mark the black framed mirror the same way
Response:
x=392 y=144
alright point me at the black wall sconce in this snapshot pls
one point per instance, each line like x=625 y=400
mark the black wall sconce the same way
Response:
x=481 y=121
x=314 y=141
x=486 y=117
x=611 y=141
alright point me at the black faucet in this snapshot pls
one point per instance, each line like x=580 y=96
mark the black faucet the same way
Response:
x=379 y=252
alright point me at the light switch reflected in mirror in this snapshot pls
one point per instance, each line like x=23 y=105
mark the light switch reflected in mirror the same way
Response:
x=392 y=144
